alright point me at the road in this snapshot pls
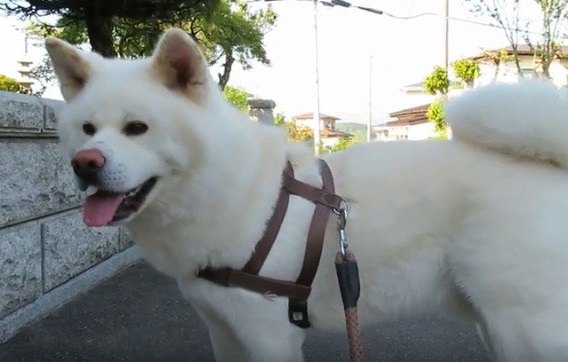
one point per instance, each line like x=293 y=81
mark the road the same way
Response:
x=139 y=315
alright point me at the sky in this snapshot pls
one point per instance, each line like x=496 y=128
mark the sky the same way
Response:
x=358 y=51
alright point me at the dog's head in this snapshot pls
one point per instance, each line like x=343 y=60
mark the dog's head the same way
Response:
x=130 y=126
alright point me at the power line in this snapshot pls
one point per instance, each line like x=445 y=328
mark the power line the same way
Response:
x=345 y=4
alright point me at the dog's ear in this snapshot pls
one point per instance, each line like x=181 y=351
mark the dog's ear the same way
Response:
x=71 y=68
x=179 y=63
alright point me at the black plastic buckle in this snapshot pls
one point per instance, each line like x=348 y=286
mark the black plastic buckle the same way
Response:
x=298 y=313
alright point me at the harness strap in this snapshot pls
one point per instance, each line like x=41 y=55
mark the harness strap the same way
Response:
x=297 y=307
x=299 y=291
x=314 y=194
x=264 y=245
x=314 y=243
x=228 y=277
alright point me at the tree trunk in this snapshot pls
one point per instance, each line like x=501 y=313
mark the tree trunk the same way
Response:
x=517 y=62
x=497 y=68
x=99 y=29
x=224 y=77
x=548 y=48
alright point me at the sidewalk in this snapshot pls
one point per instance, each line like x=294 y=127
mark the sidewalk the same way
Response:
x=139 y=315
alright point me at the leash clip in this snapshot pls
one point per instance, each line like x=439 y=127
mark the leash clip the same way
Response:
x=341 y=224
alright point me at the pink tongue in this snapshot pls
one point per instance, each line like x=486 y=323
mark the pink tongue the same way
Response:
x=101 y=207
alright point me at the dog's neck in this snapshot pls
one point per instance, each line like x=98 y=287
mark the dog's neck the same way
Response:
x=225 y=199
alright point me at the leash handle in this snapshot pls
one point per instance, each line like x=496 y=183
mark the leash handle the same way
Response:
x=350 y=287
x=348 y=278
x=354 y=335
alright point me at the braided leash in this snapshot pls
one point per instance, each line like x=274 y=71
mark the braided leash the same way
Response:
x=349 y=285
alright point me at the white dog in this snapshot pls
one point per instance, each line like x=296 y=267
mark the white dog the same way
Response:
x=472 y=227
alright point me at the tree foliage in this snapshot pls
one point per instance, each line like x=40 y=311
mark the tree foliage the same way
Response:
x=237 y=97
x=279 y=119
x=299 y=133
x=342 y=144
x=467 y=70
x=497 y=57
x=98 y=17
x=435 y=113
x=554 y=13
x=228 y=30
x=437 y=82
x=11 y=85
x=506 y=14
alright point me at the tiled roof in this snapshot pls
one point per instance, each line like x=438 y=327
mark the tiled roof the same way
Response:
x=522 y=49
x=311 y=116
x=409 y=116
x=331 y=133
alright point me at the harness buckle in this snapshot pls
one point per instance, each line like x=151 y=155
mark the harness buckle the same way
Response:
x=298 y=313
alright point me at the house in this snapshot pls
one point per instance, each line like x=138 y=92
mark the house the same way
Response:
x=407 y=124
x=495 y=65
x=328 y=133
x=494 y=68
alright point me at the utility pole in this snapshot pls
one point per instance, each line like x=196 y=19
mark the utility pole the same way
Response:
x=316 y=130
x=370 y=120
x=446 y=34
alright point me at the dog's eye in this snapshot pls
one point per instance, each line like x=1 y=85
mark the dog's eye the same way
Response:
x=135 y=128
x=89 y=129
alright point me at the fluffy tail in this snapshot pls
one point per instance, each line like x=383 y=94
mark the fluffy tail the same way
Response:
x=528 y=119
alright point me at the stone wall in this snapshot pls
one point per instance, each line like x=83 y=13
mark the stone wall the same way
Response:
x=262 y=110
x=47 y=255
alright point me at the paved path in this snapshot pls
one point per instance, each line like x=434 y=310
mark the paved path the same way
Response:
x=139 y=315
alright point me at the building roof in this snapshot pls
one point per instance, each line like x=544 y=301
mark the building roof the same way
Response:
x=522 y=49
x=414 y=87
x=311 y=116
x=409 y=116
x=333 y=133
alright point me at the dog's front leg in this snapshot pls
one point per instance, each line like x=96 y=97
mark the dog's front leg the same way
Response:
x=257 y=334
x=252 y=342
x=226 y=345
x=245 y=326
x=282 y=343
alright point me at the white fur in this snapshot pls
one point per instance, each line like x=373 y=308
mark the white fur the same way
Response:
x=473 y=227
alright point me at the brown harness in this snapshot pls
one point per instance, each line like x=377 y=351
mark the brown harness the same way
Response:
x=297 y=292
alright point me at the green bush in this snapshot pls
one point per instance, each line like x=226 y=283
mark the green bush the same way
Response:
x=342 y=144
x=435 y=113
x=237 y=97
x=11 y=85
x=467 y=70
x=437 y=81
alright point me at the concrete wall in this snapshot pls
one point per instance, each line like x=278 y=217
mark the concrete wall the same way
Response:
x=47 y=255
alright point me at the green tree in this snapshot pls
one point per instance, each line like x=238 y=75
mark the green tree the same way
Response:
x=99 y=17
x=11 y=85
x=437 y=82
x=279 y=119
x=228 y=31
x=435 y=113
x=237 y=97
x=554 y=14
x=299 y=133
x=497 y=57
x=504 y=14
x=342 y=144
x=467 y=70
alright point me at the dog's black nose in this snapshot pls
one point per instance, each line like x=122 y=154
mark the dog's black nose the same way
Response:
x=87 y=163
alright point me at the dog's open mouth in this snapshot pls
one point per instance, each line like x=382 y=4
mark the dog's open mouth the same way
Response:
x=104 y=207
